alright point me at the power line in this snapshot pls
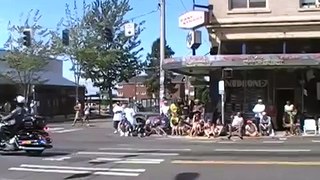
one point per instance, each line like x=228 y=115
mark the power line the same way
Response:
x=146 y=14
x=184 y=6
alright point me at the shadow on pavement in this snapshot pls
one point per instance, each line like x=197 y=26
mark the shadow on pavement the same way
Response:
x=45 y=154
x=77 y=176
x=187 y=176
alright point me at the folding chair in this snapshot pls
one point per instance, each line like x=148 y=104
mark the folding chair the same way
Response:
x=310 y=125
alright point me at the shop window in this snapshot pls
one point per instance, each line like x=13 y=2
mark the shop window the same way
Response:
x=309 y=3
x=236 y=4
x=120 y=94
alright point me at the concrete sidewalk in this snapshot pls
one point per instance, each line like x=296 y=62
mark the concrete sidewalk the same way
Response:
x=279 y=136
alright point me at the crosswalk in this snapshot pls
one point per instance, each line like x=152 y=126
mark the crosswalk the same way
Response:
x=60 y=130
x=124 y=162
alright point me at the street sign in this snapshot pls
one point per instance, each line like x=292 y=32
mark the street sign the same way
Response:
x=193 y=19
x=129 y=29
x=221 y=87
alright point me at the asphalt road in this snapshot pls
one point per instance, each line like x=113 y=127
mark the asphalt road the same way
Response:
x=95 y=153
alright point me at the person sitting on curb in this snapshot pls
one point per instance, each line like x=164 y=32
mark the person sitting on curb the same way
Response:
x=236 y=125
x=265 y=124
x=209 y=128
x=251 y=129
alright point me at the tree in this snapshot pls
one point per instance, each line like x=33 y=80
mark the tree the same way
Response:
x=73 y=22
x=108 y=56
x=26 y=63
x=153 y=70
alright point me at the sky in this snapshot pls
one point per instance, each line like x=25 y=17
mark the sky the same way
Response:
x=52 y=11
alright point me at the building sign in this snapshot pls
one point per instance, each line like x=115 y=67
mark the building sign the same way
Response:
x=193 y=19
x=246 y=83
x=260 y=60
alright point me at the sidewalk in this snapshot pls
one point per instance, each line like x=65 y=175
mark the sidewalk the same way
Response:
x=279 y=136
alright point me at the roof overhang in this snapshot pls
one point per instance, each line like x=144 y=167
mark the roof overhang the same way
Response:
x=201 y=65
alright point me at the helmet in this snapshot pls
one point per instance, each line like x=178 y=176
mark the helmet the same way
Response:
x=20 y=99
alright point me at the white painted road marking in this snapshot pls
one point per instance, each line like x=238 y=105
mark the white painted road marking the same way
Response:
x=129 y=161
x=226 y=142
x=288 y=163
x=126 y=153
x=57 y=159
x=272 y=142
x=74 y=172
x=263 y=150
x=81 y=168
x=138 y=149
x=68 y=130
x=316 y=141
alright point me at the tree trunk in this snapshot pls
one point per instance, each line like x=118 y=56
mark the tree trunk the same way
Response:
x=110 y=100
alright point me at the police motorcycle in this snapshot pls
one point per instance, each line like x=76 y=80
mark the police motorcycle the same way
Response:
x=31 y=135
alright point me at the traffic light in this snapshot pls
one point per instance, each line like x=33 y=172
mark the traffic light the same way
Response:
x=27 y=38
x=65 y=37
x=108 y=34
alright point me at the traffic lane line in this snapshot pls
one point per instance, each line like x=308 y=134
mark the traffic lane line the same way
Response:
x=144 y=149
x=272 y=142
x=126 y=153
x=81 y=168
x=73 y=172
x=128 y=161
x=262 y=150
x=292 y=163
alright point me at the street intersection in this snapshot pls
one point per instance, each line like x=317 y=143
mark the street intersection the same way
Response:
x=95 y=153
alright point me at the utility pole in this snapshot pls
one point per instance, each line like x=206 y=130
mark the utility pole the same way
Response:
x=162 y=92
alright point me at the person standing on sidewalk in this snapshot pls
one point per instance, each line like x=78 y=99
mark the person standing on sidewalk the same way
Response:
x=77 y=116
x=86 y=114
x=117 y=116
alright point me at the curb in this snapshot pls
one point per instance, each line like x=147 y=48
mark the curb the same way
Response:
x=281 y=138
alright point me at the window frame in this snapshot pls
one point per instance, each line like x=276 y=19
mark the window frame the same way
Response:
x=247 y=5
x=316 y=5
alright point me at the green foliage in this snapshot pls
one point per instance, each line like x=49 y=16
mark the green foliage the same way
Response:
x=153 y=70
x=203 y=94
x=26 y=63
x=109 y=60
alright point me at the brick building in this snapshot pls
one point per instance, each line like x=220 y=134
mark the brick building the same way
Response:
x=272 y=48
x=136 y=88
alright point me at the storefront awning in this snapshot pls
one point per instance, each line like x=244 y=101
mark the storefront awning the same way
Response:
x=195 y=64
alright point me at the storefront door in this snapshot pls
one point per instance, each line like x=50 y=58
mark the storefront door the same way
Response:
x=283 y=95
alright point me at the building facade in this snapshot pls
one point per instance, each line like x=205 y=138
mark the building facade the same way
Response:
x=55 y=94
x=270 y=51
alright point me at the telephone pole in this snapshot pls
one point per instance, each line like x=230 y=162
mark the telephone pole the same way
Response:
x=162 y=4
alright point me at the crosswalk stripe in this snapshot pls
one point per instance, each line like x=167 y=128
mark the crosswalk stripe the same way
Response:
x=126 y=153
x=74 y=172
x=138 y=149
x=57 y=159
x=128 y=161
x=81 y=168
x=68 y=130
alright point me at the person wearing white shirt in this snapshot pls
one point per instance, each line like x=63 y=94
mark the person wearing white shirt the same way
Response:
x=117 y=116
x=164 y=110
x=258 y=109
x=236 y=125
x=129 y=113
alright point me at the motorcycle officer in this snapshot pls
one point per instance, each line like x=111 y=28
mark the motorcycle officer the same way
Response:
x=13 y=119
